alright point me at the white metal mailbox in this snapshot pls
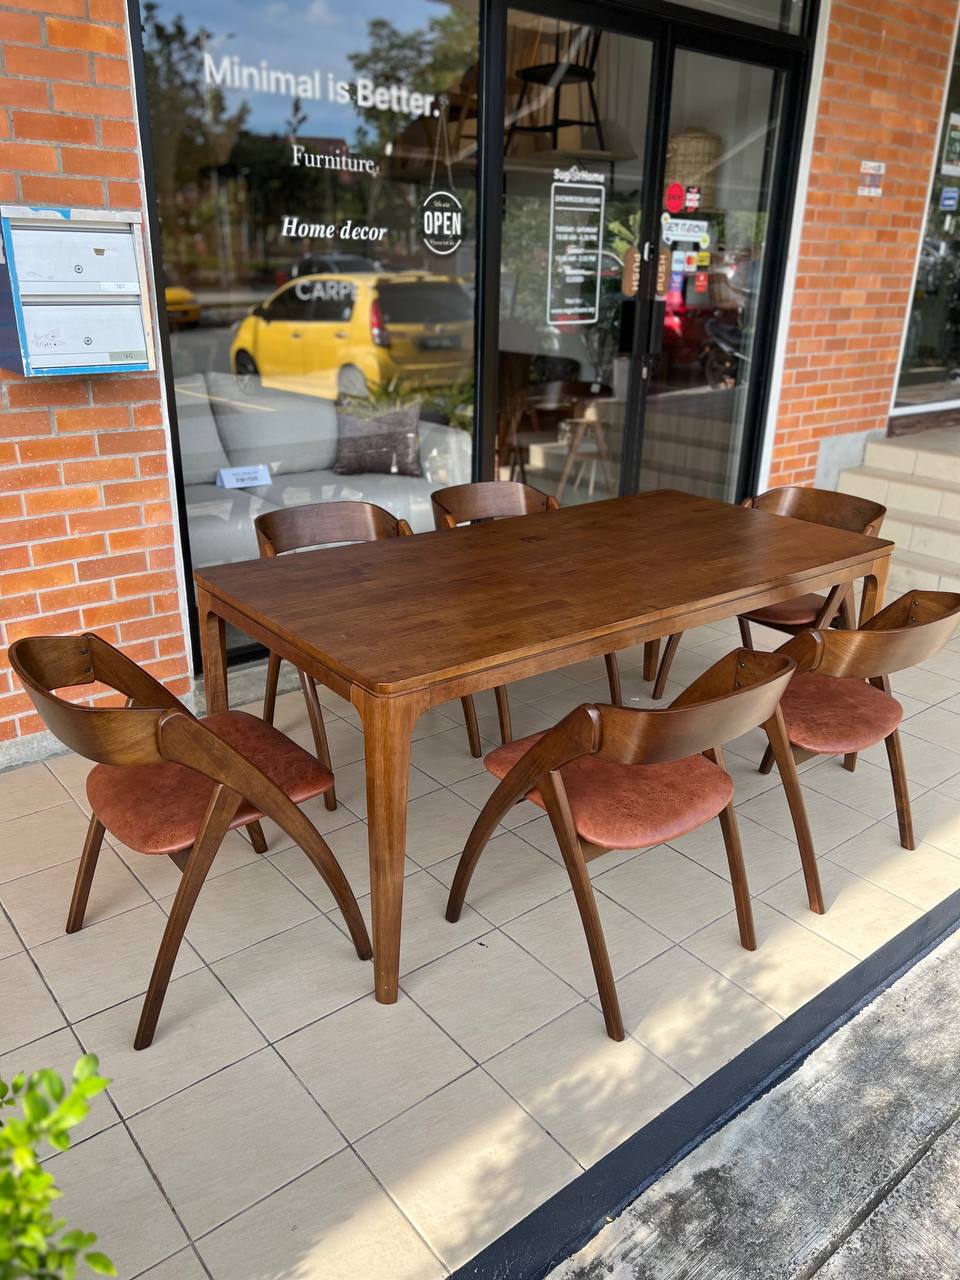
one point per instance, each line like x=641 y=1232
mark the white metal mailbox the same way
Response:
x=73 y=292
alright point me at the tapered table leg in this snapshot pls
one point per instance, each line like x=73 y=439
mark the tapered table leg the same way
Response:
x=387 y=731
x=213 y=646
x=874 y=586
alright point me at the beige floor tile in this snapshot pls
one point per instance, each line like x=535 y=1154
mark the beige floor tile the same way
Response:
x=860 y=916
x=109 y=962
x=437 y=826
x=466 y=1164
x=9 y=942
x=60 y=1051
x=831 y=821
x=510 y=878
x=553 y=933
x=950 y=787
x=296 y=977
x=936 y=820
x=38 y=903
x=322 y=818
x=161 y=877
x=937 y=725
x=790 y=966
x=557 y=705
x=489 y=993
x=748 y=781
x=928 y=764
x=350 y=848
x=425 y=933
x=242 y=908
x=588 y=1091
x=182 y=1266
x=27 y=789
x=368 y=1062
x=71 y=772
x=868 y=789
x=927 y=686
x=201 y=1030
x=235 y=1153
x=769 y=857
x=476 y=791
x=533 y=687
x=691 y=1016
x=27 y=1010
x=446 y=756
x=525 y=718
x=352 y=793
x=540 y=834
x=41 y=839
x=924 y=876
x=437 y=721
x=108 y=1189
x=947 y=661
x=344 y=741
x=672 y=893
x=333 y=1223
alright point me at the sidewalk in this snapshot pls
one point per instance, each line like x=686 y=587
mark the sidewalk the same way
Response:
x=849 y=1169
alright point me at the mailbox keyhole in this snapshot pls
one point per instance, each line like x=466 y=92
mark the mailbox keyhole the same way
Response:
x=78 y=269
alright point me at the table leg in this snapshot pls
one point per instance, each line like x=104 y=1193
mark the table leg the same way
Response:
x=387 y=732
x=874 y=586
x=213 y=647
x=651 y=652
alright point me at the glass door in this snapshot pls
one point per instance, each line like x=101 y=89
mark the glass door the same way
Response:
x=701 y=372
x=575 y=159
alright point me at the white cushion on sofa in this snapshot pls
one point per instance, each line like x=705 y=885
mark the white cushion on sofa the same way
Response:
x=221 y=523
x=287 y=432
x=201 y=450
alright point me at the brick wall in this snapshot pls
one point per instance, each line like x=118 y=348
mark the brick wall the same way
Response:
x=887 y=63
x=86 y=521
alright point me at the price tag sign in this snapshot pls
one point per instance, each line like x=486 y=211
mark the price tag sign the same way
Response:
x=243 y=477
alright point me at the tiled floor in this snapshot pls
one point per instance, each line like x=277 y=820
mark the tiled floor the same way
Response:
x=286 y=1127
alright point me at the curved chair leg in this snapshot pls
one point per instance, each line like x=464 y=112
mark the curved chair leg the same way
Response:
x=613 y=679
x=270 y=688
x=766 y=764
x=651 y=652
x=473 y=729
x=901 y=791
x=503 y=714
x=738 y=870
x=850 y=761
x=561 y=819
x=318 y=729
x=745 y=636
x=669 y=653
x=216 y=822
x=847 y=616
x=257 y=838
x=780 y=744
x=88 y=865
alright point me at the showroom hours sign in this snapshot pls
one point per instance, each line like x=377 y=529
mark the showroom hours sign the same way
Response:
x=576 y=240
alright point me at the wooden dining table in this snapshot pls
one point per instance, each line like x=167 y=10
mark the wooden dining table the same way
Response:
x=403 y=624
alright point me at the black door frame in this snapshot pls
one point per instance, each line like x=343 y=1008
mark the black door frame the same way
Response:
x=668 y=27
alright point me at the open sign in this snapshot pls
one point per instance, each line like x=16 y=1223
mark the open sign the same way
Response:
x=441 y=222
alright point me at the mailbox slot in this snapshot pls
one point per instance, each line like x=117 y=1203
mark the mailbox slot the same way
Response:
x=62 y=335
x=64 y=259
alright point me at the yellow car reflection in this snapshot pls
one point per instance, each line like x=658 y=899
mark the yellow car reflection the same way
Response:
x=343 y=335
x=182 y=306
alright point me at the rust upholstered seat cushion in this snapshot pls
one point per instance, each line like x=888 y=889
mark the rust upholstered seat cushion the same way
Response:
x=801 y=611
x=158 y=808
x=830 y=715
x=631 y=806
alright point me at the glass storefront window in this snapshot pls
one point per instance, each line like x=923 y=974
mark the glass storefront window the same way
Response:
x=930 y=368
x=315 y=169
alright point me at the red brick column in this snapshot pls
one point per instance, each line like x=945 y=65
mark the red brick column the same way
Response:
x=87 y=537
x=887 y=63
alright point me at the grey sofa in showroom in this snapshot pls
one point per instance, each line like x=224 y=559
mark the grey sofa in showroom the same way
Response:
x=222 y=425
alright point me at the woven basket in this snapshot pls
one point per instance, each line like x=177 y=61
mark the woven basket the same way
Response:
x=692 y=161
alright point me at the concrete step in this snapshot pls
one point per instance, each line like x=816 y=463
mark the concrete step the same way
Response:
x=927 y=535
x=933 y=454
x=910 y=570
x=905 y=492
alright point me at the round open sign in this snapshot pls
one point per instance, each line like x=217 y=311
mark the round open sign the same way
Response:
x=441 y=222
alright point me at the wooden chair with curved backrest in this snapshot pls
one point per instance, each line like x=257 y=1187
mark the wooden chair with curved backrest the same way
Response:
x=321 y=524
x=496 y=500
x=806 y=612
x=839 y=702
x=168 y=783
x=620 y=778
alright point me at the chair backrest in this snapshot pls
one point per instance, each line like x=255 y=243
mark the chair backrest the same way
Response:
x=318 y=524
x=110 y=735
x=822 y=506
x=909 y=630
x=487 y=500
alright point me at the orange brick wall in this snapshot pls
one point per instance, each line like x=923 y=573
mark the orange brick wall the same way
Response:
x=87 y=538
x=887 y=63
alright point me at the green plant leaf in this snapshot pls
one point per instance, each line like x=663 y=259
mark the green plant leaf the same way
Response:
x=100 y=1263
x=87 y=1066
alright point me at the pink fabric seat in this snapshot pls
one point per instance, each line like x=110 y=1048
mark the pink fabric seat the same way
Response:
x=158 y=808
x=833 y=716
x=623 y=806
x=802 y=611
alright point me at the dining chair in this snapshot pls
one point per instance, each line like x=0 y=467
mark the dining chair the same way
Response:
x=624 y=778
x=839 y=701
x=495 y=500
x=168 y=783
x=805 y=612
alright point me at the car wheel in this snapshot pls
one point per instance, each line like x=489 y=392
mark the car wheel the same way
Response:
x=248 y=375
x=351 y=384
